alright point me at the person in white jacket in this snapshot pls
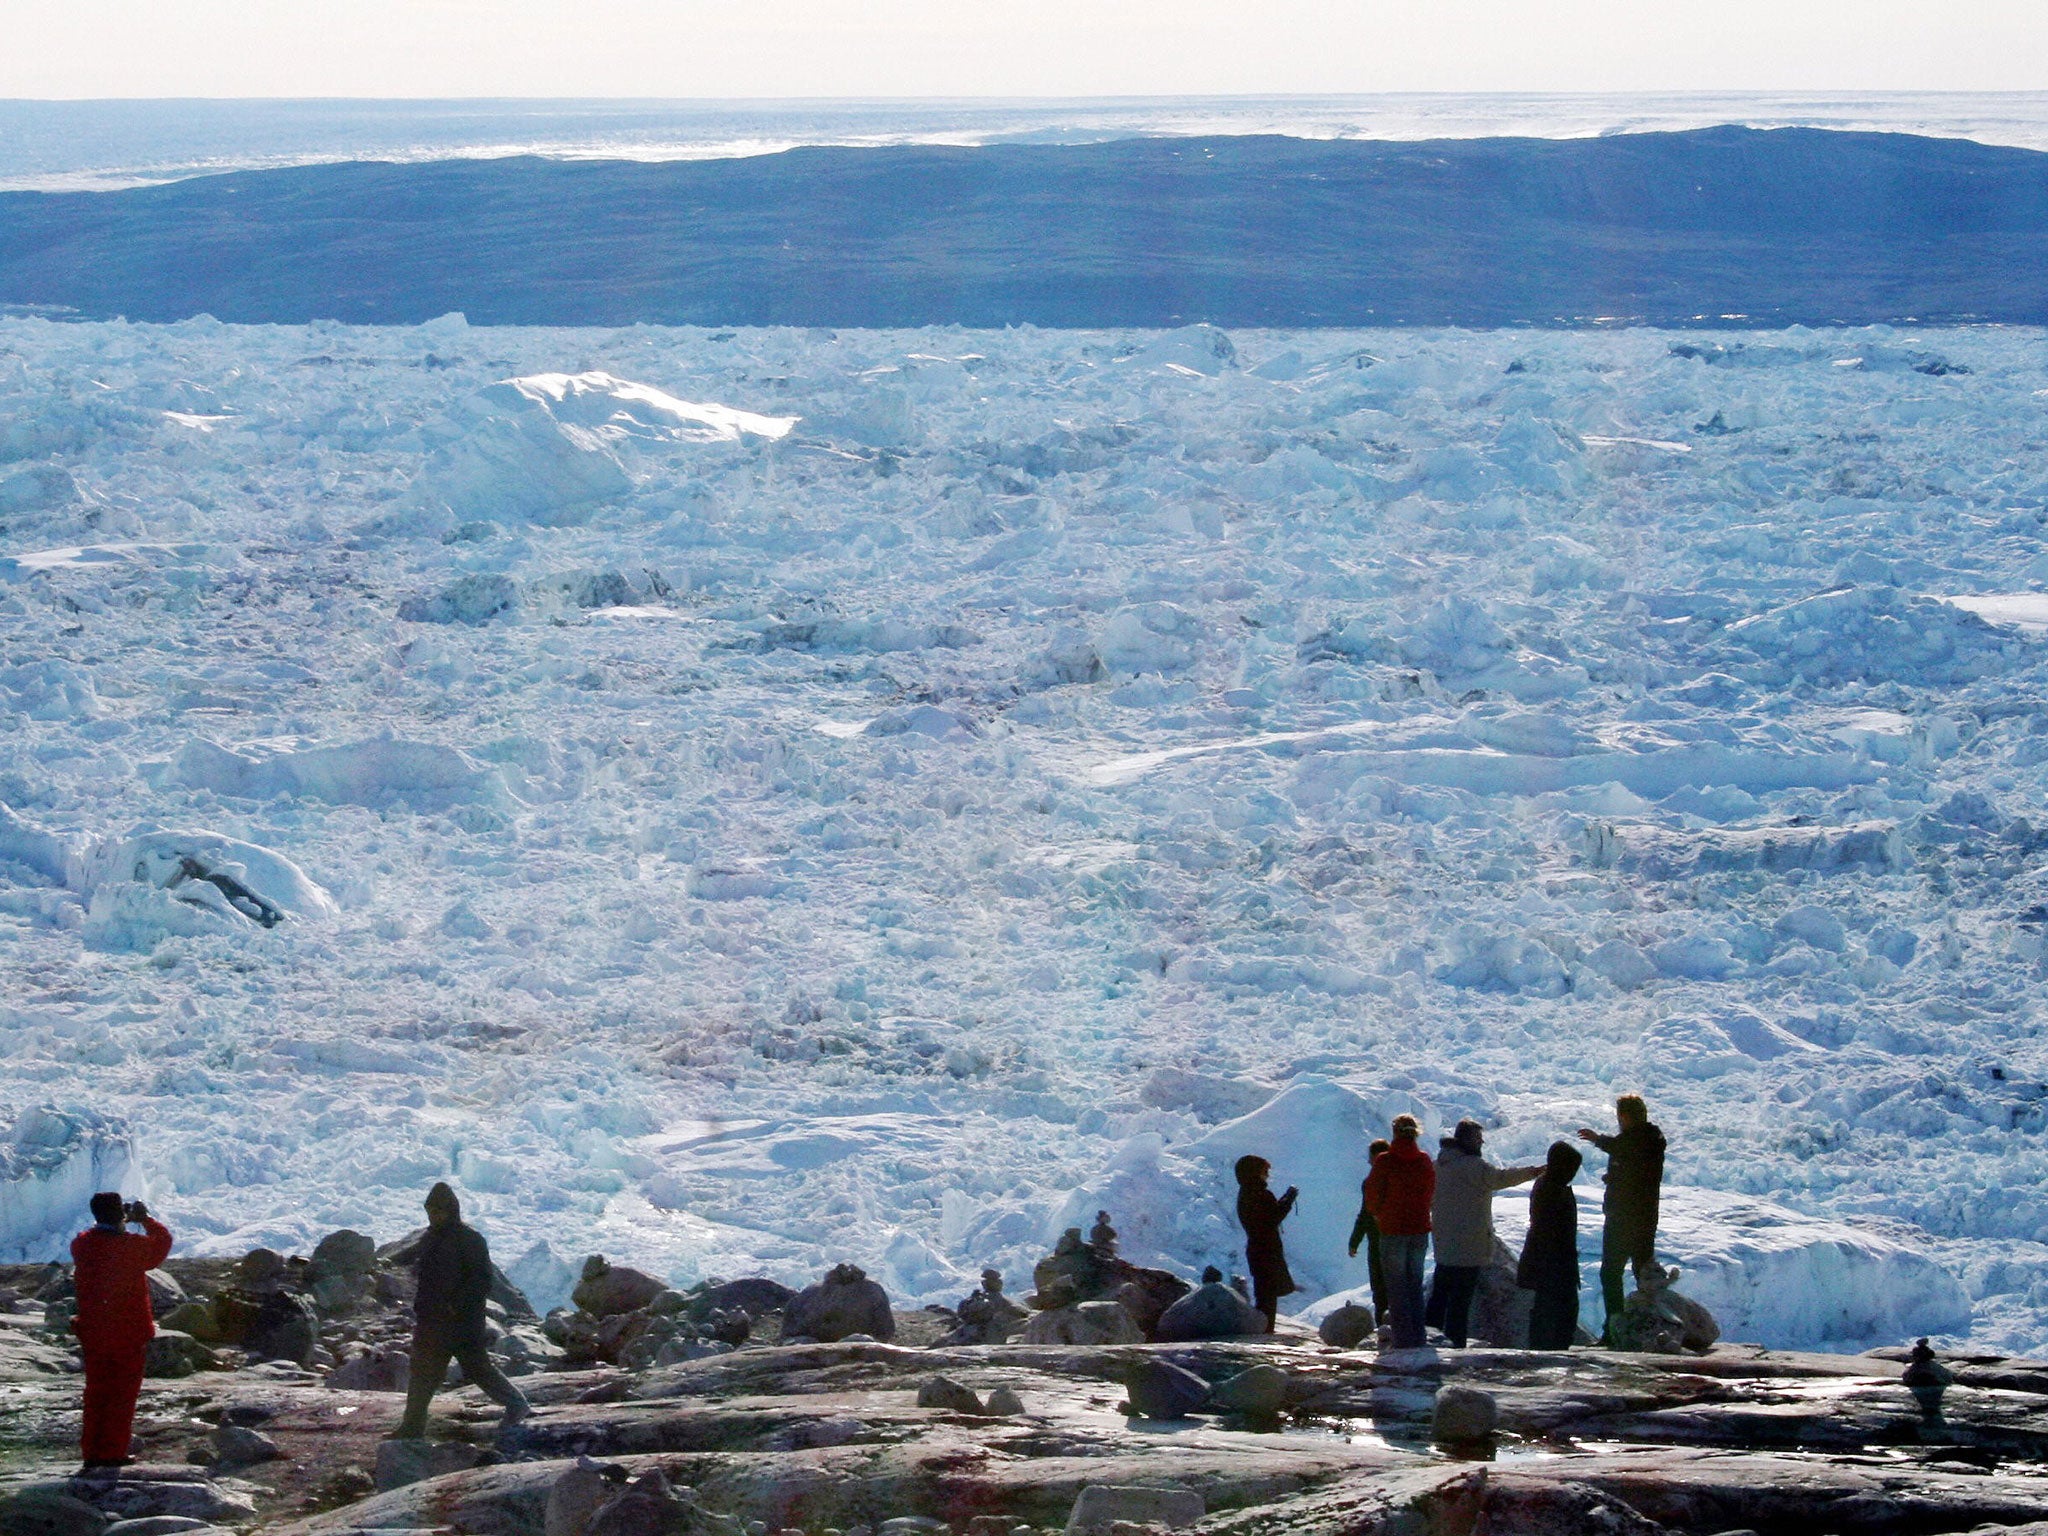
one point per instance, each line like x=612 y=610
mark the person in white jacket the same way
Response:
x=1461 y=1220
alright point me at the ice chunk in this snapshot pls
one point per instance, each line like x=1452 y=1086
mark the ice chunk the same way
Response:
x=383 y=771
x=52 y=1162
x=1148 y=637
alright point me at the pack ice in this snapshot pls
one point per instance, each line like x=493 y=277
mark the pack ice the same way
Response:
x=741 y=800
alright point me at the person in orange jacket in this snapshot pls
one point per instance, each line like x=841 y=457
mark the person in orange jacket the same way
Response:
x=1398 y=1192
x=114 y=1320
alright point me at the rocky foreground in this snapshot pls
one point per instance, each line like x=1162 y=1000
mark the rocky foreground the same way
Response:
x=676 y=1413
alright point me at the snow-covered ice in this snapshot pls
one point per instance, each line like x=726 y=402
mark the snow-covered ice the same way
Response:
x=947 y=781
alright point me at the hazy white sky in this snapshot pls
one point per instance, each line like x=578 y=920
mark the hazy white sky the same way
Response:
x=682 y=48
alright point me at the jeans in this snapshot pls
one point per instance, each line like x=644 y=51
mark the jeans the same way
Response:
x=1554 y=1320
x=1402 y=1256
x=430 y=1367
x=1450 y=1300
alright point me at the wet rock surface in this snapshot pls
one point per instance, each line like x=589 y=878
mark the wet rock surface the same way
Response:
x=1220 y=1437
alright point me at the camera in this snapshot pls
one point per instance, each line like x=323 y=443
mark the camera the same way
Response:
x=134 y=1210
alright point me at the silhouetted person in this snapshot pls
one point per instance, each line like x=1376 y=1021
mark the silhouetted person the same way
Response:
x=1367 y=1231
x=1260 y=1213
x=448 y=1316
x=1635 y=1176
x=1462 y=1216
x=1550 y=1253
x=114 y=1320
x=1398 y=1193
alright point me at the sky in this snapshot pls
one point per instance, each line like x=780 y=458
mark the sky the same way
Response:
x=1008 y=48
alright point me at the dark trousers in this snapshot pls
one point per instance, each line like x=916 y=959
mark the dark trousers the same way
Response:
x=1376 y=1271
x=1554 y=1320
x=1619 y=1251
x=1450 y=1300
x=113 y=1381
x=1403 y=1257
x=430 y=1367
x=1266 y=1295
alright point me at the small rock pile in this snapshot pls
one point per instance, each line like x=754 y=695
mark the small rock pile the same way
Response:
x=844 y=1306
x=1657 y=1320
x=1088 y=1294
x=622 y=1316
x=986 y=1315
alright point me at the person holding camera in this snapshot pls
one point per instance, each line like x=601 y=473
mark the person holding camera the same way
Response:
x=114 y=1320
x=1260 y=1213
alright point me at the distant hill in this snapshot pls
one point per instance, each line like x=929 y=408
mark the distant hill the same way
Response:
x=1774 y=227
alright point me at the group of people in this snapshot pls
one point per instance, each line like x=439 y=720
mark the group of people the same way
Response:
x=114 y=1320
x=1411 y=1202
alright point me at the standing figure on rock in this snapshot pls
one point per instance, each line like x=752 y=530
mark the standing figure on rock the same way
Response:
x=1367 y=1231
x=1635 y=1178
x=1399 y=1192
x=1260 y=1214
x=1462 y=1215
x=448 y=1317
x=1550 y=1253
x=114 y=1320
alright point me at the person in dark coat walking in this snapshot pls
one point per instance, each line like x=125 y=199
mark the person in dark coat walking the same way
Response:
x=1399 y=1192
x=448 y=1317
x=1550 y=1253
x=1260 y=1214
x=1635 y=1178
x=114 y=1320
x=1366 y=1229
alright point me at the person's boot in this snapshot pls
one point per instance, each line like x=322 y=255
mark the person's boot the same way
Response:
x=517 y=1413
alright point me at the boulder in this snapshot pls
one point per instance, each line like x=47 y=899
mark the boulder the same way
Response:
x=845 y=1302
x=1004 y=1403
x=1349 y=1326
x=1159 y=1389
x=285 y=1328
x=379 y=1368
x=1089 y=1322
x=606 y=1289
x=260 y=1268
x=141 y=1491
x=49 y=1512
x=193 y=1317
x=162 y=1525
x=1463 y=1415
x=165 y=1294
x=1212 y=1311
x=1099 y=1507
x=403 y=1462
x=647 y=1507
x=754 y=1296
x=172 y=1354
x=1091 y=1270
x=1259 y=1392
x=342 y=1270
x=1500 y=1307
x=1658 y=1320
x=236 y=1445
x=946 y=1393
x=578 y=1494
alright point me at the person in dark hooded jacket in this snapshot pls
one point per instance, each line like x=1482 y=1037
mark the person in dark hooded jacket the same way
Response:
x=448 y=1316
x=1550 y=1253
x=1635 y=1180
x=1260 y=1213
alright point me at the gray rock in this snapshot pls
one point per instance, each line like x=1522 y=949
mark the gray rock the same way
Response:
x=146 y=1490
x=385 y=1368
x=578 y=1494
x=844 y=1303
x=1159 y=1389
x=945 y=1393
x=1500 y=1307
x=647 y=1507
x=1463 y=1415
x=755 y=1296
x=165 y=1294
x=913 y=1525
x=608 y=1290
x=342 y=1270
x=236 y=1445
x=1260 y=1392
x=402 y=1462
x=1211 y=1311
x=285 y=1328
x=1091 y=1322
x=173 y=1354
x=1004 y=1403
x=158 y=1525
x=1349 y=1326
x=47 y=1512
x=1100 y=1507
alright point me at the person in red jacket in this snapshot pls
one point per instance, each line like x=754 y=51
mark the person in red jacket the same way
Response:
x=114 y=1321
x=1399 y=1192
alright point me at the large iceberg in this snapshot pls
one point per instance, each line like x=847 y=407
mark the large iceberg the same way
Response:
x=52 y=1162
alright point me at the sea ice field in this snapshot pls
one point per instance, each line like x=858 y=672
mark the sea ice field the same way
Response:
x=741 y=800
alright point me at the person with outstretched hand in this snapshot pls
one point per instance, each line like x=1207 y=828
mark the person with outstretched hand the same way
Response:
x=1635 y=1181
x=114 y=1320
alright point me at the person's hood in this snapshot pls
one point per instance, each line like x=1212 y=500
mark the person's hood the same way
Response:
x=1453 y=1154
x=1408 y=1151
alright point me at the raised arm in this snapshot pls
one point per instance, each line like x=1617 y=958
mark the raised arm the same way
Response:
x=1364 y=1217
x=158 y=1236
x=1508 y=1178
